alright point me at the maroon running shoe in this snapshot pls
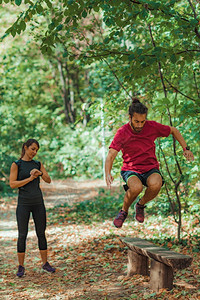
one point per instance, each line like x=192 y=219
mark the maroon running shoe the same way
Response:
x=119 y=220
x=20 y=271
x=47 y=267
x=139 y=212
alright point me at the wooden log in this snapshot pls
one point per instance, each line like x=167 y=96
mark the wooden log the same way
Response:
x=161 y=276
x=168 y=257
x=137 y=264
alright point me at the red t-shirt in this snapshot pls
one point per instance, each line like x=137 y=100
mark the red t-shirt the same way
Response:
x=138 y=149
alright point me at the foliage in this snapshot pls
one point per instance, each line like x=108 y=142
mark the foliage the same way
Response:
x=103 y=207
x=111 y=50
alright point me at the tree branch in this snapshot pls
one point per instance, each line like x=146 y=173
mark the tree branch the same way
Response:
x=198 y=93
x=159 y=64
x=195 y=16
x=179 y=90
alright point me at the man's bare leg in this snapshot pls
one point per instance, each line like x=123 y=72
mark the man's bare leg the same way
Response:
x=154 y=183
x=135 y=188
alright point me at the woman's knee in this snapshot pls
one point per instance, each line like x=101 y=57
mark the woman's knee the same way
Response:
x=22 y=236
x=42 y=241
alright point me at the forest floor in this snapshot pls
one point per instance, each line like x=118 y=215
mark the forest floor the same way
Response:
x=89 y=258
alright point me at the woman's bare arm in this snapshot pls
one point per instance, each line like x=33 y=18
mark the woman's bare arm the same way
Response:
x=14 y=183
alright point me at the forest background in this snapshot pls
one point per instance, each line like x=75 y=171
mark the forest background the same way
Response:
x=68 y=72
x=70 y=68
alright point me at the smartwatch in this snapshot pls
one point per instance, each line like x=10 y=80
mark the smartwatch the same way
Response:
x=186 y=148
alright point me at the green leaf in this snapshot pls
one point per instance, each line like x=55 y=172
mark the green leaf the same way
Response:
x=48 y=3
x=96 y=9
x=59 y=27
x=65 y=54
x=173 y=58
x=18 y=2
x=194 y=22
x=39 y=9
x=106 y=40
x=84 y=14
x=13 y=31
x=165 y=101
x=23 y=25
x=131 y=57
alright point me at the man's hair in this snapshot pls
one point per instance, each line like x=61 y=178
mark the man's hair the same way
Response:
x=137 y=107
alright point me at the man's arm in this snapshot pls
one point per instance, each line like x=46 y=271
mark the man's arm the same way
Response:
x=108 y=166
x=177 y=135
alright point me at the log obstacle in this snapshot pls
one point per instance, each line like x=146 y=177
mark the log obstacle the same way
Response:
x=145 y=258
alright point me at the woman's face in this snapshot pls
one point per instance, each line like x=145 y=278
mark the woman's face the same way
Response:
x=31 y=151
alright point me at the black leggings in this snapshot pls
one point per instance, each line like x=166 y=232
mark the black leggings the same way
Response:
x=39 y=217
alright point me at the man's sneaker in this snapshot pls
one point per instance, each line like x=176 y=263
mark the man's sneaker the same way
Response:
x=47 y=267
x=139 y=212
x=119 y=220
x=20 y=271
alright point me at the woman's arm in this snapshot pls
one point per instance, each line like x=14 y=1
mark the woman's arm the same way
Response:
x=14 y=183
x=45 y=176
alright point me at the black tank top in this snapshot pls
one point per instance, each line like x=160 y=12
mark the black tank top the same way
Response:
x=30 y=193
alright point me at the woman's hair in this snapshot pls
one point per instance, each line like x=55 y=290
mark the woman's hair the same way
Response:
x=28 y=143
x=137 y=107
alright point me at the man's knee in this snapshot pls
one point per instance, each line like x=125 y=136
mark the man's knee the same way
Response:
x=154 y=182
x=136 y=189
x=135 y=185
x=155 y=186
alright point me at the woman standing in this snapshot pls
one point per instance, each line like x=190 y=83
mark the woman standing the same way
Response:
x=24 y=175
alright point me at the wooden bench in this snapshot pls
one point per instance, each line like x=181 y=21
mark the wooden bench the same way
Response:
x=163 y=262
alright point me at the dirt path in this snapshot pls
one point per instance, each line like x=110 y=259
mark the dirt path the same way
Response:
x=90 y=262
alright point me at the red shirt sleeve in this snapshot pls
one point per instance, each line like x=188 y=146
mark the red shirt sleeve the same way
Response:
x=163 y=130
x=118 y=140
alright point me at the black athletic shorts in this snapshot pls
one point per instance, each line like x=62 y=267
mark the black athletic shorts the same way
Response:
x=143 y=177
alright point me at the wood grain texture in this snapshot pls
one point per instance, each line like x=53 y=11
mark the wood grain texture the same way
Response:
x=161 y=276
x=170 y=258
x=137 y=264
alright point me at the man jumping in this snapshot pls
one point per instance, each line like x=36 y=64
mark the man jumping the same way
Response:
x=140 y=166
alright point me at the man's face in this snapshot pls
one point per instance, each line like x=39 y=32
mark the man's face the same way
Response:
x=138 y=121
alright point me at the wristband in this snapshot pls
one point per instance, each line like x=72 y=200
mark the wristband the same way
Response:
x=186 y=148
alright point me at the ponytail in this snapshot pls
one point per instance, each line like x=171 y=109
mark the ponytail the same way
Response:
x=137 y=107
x=28 y=143
x=23 y=150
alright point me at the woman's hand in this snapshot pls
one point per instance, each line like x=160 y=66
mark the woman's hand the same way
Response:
x=35 y=172
x=32 y=177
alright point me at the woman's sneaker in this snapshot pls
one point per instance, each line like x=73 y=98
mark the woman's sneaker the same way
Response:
x=120 y=218
x=47 y=267
x=21 y=271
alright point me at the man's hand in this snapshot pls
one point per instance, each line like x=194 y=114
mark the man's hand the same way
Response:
x=109 y=180
x=188 y=155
